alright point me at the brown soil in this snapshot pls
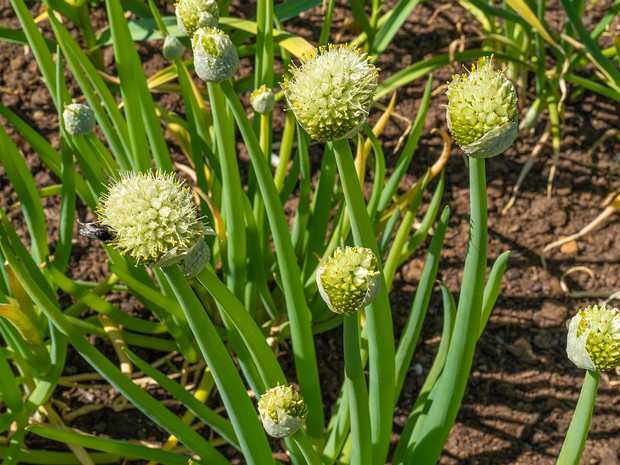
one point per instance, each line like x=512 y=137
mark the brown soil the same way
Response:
x=522 y=389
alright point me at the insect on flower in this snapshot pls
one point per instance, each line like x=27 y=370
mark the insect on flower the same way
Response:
x=101 y=232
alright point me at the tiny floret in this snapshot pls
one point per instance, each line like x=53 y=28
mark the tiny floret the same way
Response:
x=332 y=91
x=349 y=279
x=282 y=411
x=262 y=99
x=194 y=14
x=594 y=338
x=482 y=111
x=173 y=48
x=215 y=56
x=152 y=218
x=79 y=119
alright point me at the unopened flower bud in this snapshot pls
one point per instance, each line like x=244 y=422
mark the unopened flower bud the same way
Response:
x=282 y=411
x=349 y=280
x=79 y=119
x=331 y=92
x=152 y=218
x=194 y=14
x=594 y=338
x=482 y=111
x=173 y=48
x=215 y=56
x=262 y=99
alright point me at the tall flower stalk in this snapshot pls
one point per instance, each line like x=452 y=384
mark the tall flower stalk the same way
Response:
x=481 y=115
x=593 y=344
x=346 y=82
x=349 y=281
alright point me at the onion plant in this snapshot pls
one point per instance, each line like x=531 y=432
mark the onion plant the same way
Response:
x=213 y=258
x=592 y=344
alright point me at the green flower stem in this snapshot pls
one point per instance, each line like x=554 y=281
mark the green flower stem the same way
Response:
x=301 y=333
x=256 y=269
x=305 y=447
x=263 y=75
x=302 y=214
x=447 y=394
x=235 y=249
x=316 y=231
x=264 y=45
x=171 y=317
x=286 y=147
x=358 y=394
x=259 y=205
x=269 y=368
x=381 y=350
x=86 y=26
x=578 y=430
x=238 y=405
x=195 y=116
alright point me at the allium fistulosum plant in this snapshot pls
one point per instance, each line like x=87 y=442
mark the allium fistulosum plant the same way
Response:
x=593 y=344
x=212 y=259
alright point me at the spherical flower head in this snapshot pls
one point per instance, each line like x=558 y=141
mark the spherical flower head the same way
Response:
x=331 y=92
x=594 y=338
x=173 y=48
x=152 y=217
x=482 y=111
x=215 y=56
x=349 y=279
x=193 y=14
x=79 y=119
x=262 y=99
x=282 y=411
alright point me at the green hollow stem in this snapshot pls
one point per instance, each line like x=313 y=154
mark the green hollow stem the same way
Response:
x=286 y=147
x=270 y=371
x=361 y=451
x=447 y=394
x=580 y=424
x=86 y=26
x=305 y=448
x=235 y=248
x=232 y=390
x=381 y=350
x=299 y=318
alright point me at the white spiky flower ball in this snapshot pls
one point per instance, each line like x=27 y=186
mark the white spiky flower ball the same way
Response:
x=215 y=56
x=349 y=280
x=194 y=14
x=152 y=217
x=282 y=411
x=593 y=341
x=332 y=91
x=482 y=111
